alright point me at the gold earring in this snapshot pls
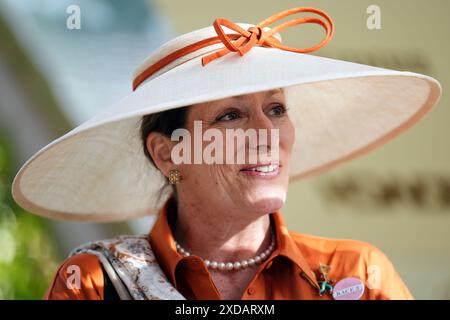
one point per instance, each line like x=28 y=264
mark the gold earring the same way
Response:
x=174 y=176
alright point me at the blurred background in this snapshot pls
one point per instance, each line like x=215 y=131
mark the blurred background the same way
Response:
x=57 y=71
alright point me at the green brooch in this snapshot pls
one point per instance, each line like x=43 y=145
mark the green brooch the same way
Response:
x=324 y=282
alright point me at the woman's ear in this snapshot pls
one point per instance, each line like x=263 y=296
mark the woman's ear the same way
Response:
x=159 y=147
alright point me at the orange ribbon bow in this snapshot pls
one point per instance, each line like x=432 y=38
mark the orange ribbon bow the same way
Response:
x=244 y=40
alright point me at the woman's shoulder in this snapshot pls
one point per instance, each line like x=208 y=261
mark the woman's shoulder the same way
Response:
x=343 y=251
x=79 y=277
x=327 y=245
x=82 y=275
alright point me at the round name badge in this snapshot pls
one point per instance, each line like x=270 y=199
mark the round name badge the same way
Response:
x=348 y=289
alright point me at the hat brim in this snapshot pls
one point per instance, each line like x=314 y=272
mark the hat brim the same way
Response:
x=341 y=110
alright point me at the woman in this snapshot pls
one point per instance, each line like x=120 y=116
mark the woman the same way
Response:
x=219 y=233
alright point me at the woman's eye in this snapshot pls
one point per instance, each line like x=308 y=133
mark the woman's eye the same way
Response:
x=278 y=110
x=228 y=116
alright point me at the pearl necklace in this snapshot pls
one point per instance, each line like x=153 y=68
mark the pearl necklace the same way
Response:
x=230 y=266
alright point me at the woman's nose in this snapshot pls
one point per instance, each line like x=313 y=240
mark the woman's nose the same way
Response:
x=259 y=120
x=267 y=135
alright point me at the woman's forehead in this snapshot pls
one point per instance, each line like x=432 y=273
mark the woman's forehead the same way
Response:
x=264 y=94
x=267 y=93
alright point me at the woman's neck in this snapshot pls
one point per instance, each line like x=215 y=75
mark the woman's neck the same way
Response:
x=218 y=234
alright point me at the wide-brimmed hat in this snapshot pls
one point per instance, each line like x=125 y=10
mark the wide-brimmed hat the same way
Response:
x=341 y=110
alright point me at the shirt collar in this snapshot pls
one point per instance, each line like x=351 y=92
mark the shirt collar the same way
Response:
x=163 y=244
x=287 y=247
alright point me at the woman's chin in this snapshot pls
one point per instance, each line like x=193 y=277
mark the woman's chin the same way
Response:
x=266 y=199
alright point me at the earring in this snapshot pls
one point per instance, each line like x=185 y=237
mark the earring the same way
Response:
x=174 y=176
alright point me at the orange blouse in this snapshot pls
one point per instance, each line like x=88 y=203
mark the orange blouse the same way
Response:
x=289 y=273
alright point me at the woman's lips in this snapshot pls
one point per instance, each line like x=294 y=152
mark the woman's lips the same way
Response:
x=269 y=170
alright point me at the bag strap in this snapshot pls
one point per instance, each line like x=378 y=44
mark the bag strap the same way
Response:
x=121 y=290
x=132 y=268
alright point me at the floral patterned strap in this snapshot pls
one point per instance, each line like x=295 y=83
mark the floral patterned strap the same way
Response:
x=118 y=285
x=132 y=259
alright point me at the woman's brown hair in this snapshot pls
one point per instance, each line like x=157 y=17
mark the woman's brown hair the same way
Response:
x=164 y=122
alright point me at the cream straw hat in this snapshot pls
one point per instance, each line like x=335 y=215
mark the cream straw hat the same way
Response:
x=341 y=110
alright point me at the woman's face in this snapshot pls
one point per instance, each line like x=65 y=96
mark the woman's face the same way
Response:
x=259 y=187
